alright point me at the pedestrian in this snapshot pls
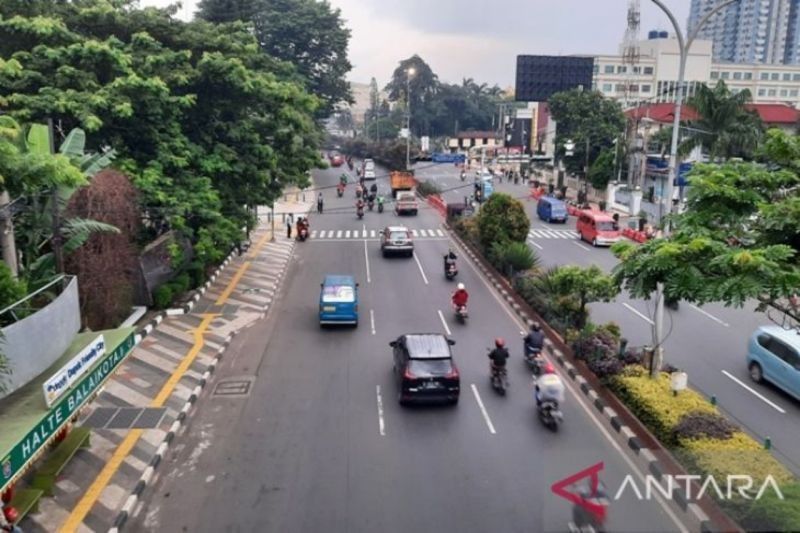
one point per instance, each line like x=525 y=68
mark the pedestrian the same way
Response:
x=319 y=203
x=289 y=224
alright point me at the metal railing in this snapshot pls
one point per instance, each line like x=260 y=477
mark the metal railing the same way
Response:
x=31 y=303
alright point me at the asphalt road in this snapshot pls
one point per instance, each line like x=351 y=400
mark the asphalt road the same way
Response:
x=320 y=442
x=709 y=343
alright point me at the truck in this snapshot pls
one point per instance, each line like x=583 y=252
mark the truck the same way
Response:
x=401 y=181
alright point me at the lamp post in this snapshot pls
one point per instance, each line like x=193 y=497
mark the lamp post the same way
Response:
x=409 y=73
x=683 y=45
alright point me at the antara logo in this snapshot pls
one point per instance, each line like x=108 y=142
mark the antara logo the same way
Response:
x=559 y=488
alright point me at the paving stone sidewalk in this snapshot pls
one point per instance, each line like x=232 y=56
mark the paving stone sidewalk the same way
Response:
x=149 y=367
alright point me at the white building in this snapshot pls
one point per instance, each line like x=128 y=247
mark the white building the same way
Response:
x=655 y=77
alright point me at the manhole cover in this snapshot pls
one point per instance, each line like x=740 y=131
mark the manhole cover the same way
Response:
x=238 y=387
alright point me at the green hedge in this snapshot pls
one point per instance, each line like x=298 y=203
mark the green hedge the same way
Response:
x=162 y=296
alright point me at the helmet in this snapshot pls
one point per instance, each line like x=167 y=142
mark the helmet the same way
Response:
x=536 y=326
x=461 y=286
x=499 y=342
x=548 y=368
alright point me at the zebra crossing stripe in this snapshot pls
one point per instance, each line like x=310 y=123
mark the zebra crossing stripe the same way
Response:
x=372 y=234
x=364 y=234
x=339 y=234
x=423 y=233
x=313 y=234
x=322 y=234
x=440 y=232
x=414 y=233
x=347 y=234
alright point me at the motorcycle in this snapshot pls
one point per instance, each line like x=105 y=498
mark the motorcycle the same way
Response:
x=350 y=165
x=451 y=271
x=463 y=176
x=461 y=313
x=302 y=235
x=549 y=414
x=371 y=203
x=589 y=513
x=380 y=204
x=499 y=378
x=339 y=192
x=360 y=212
x=534 y=359
x=358 y=192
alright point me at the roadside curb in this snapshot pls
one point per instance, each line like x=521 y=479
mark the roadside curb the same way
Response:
x=644 y=456
x=147 y=475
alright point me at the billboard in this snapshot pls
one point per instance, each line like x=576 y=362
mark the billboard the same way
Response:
x=539 y=77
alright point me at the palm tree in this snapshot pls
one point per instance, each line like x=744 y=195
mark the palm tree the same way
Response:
x=724 y=127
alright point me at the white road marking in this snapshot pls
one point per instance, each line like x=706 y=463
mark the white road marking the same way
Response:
x=562 y=234
x=347 y=234
x=709 y=315
x=414 y=233
x=444 y=322
x=338 y=234
x=643 y=317
x=759 y=395
x=535 y=233
x=366 y=258
x=483 y=410
x=372 y=234
x=535 y=244
x=441 y=233
x=322 y=234
x=381 y=425
x=424 y=278
x=372 y=320
x=424 y=233
x=313 y=234
x=579 y=245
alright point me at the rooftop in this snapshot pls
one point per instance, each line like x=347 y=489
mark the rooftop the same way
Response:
x=477 y=135
x=664 y=113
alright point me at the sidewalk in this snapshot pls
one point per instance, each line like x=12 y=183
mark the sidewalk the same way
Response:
x=164 y=373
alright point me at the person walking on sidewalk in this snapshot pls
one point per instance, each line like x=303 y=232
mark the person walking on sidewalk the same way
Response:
x=289 y=224
x=319 y=203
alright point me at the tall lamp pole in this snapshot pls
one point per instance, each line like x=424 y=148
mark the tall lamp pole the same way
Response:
x=666 y=201
x=409 y=73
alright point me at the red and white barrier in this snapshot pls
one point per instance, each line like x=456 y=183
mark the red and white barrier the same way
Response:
x=437 y=203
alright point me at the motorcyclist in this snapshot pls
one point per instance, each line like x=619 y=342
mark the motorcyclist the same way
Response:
x=449 y=259
x=592 y=509
x=460 y=297
x=374 y=189
x=463 y=175
x=549 y=386
x=360 y=205
x=343 y=179
x=340 y=189
x=499 y=355
x=534 y=341
x=302 y=223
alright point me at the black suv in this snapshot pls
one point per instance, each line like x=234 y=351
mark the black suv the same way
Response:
x=423 y=364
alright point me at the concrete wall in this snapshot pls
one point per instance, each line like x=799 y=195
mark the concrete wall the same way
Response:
x=32 y=344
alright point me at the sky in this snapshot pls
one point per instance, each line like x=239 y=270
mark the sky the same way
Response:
x=479 y=39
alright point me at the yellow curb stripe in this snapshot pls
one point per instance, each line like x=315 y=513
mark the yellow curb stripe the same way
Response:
x=92 y=494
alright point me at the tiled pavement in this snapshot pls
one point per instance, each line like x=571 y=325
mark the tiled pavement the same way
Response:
x=147 y=369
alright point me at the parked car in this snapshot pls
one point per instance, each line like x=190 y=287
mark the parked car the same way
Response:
x=773 y=354
x=396 y=240
x=424 y=368
x=598 y=228
x=338 y=300
x=551 y=210
x=406 y=203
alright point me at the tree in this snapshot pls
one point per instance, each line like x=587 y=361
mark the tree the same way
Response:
x=585 y=117
x=587 y=285
x=737 y=241
x=725 y=128
x=309 y=34
x=602 y=170
x=421 y=86
x=502 y=218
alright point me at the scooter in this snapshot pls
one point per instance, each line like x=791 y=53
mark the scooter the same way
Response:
x=590 y=512
x=339 y=191
x=380 y=204
x=499 y=378
x=371 y=203
x=451 y=271
x=461 y=313
x=549 y=414
x=360 y=212
x=533 y=358
x=463 y=176
x=302 y=235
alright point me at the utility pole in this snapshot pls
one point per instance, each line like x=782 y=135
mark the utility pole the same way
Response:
x=58 y=251
x=409 y=73
x=684 y=45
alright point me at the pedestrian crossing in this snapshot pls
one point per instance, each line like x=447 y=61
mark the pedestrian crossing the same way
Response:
x=344 y=234
x=552 y=234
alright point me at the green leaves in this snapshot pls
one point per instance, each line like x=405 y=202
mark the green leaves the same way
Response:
x=502 y=218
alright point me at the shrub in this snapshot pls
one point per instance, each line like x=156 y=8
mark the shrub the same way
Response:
x=652 y=401
x=197 y=274
x=770 y=513
x=428 y=187
x=596 y=342
x=738 y=455
x=11 y=290
x=467 y=227
x=509 y=257
x=632 y=356
x=698 y=425
x=162 y=296
x=502 y=218
x=605 y=367
x=181 y=283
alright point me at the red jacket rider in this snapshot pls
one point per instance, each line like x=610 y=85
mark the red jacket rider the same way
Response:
x=460 y=297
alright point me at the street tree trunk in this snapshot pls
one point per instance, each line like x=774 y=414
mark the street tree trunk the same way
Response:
x=7 y=228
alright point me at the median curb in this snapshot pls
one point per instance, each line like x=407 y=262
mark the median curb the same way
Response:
x=147 y=475
x=644 y=457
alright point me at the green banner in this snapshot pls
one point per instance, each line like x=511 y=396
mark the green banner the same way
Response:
x=60 y=414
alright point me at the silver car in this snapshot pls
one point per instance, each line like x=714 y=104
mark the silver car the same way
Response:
x=396 y=240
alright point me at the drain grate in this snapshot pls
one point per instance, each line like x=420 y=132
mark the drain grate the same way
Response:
x=239 y=387
x=125 y=418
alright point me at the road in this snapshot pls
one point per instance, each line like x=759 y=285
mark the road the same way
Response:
x=319 y=443
x=709 y=343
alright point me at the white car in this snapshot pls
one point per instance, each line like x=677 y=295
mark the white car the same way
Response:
x=369 y=169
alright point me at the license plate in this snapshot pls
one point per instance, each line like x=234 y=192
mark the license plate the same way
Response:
x=431 y=385
x=329 y=308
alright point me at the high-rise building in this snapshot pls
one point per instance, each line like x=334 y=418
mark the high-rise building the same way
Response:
x=750 y=31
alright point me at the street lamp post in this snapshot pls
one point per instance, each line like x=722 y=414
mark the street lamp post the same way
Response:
x=683 y=45
x=409 y=73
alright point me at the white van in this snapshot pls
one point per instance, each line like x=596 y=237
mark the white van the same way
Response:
x=369 y=169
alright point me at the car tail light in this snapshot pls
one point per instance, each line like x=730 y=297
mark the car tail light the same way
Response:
x=453 y=374
x=408 y=375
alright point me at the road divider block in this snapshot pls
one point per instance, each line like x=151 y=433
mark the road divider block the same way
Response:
x=435 y=201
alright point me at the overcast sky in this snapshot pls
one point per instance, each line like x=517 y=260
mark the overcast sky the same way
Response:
x=475 y=39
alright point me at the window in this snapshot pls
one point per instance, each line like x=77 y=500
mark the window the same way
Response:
x=648 y=70
x=748 y=75
x=714 y=75
x=771 y=92
x=338 y=293
x=796 y=77
x=646 y=88
x=784 y=352
x=622 y=69
x=787 y=76
x=633 y=88
x=725 y=75
x=793 y=93
x=607 y=87
x=762 y=92
x=636 y=70
x=784 y=93
x=620 y=88
x=775 y=76
x=608 y=69
x=596 y=68
x=764 y=75
x=737 y=75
